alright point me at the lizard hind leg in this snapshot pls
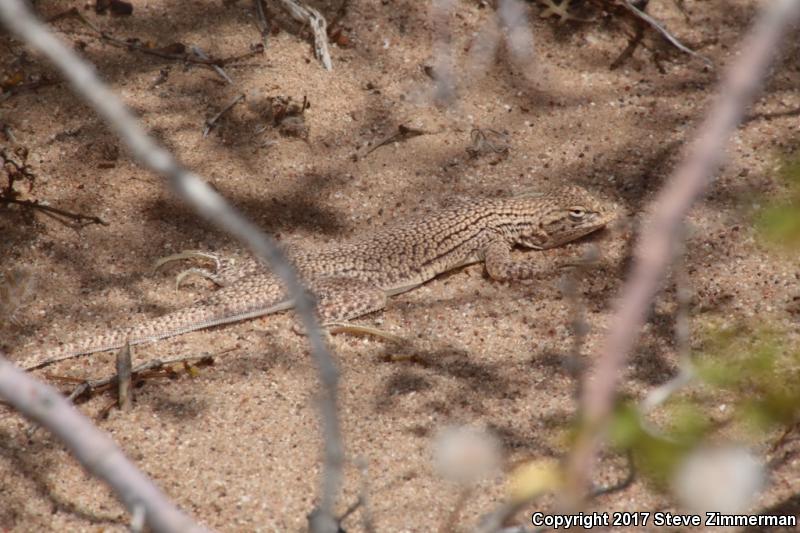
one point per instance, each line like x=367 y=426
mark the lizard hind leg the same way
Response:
x=340 y=300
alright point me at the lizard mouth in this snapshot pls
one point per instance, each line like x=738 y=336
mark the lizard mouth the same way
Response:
x=555 y=240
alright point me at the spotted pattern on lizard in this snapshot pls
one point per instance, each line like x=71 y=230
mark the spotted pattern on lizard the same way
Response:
x=355 y=278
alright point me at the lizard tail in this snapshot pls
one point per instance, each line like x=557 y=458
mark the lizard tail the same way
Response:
x=230 y=304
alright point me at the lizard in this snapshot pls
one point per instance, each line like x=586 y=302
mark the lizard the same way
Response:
x=356 y=278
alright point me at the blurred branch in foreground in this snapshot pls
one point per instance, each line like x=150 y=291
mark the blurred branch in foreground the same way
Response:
x=660 y=238
x=94 y=449
x=207 y=203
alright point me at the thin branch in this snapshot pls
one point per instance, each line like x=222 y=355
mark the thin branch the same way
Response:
x=632 y=44
x=139 y=373
x=213 y=120
x=24 y=87
x=175 y=51
x=403 y=133
x=653 y=23
x=17 y=169
x=93 y=448
x=261 y=21
x=207 y=203
x=657 y=245
x=124 y=379
x=198 y=52
x=68 y=218
x=312 y=17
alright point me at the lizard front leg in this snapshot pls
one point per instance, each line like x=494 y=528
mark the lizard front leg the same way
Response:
x=502 y=267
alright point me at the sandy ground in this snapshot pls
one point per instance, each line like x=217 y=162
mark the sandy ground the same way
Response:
x=237 y=446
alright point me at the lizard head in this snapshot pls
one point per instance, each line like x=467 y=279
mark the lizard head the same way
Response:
x=562 y=215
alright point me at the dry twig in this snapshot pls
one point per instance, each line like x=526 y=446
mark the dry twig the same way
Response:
x=146 y=370
x=124 y=379
x=94 y=449
x=206 y=202
x=261 y=20
x=403 y=133
x=312 y=17
x=68 y=218
x=199 y=52
x=671 y=39
x=657 y=245
x=44 y=81
x=17 y=169
x=174 y=51
x=213 y=120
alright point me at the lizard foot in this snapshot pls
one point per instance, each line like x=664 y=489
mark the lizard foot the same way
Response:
x=209 y=274
x=355 y=329
x=332 y=328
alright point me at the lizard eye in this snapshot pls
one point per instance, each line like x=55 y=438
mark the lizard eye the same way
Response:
x=577 y=213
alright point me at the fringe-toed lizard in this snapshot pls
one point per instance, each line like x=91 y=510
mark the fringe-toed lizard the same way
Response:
x=353 y=279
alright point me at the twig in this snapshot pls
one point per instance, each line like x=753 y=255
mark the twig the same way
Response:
x=124 y=381
x=653 y=23
x=22 y=87
x=688 y=182
x=403 y=133
x=175 y=52
x=210 y=122
x=80 y=220
x=196 y=50
x=93 y=448
x=138 y=373
x=207 y=203
x=261 y=20
x=628 y=51
x=17 y=169
x=312 y=17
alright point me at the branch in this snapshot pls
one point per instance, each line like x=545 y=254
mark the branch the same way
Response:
x=653 y=23
x=207 y=203
x=94 y=449
x=312 y=17
x=658 y=241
